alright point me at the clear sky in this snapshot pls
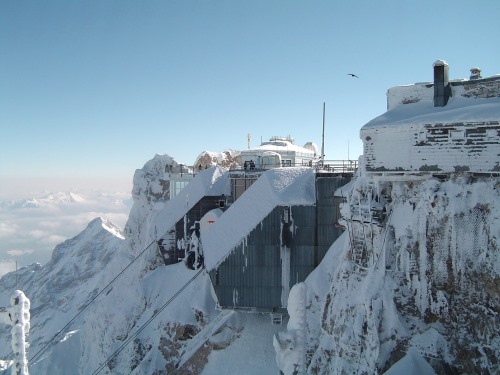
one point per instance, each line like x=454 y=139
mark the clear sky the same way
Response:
x=91 y=90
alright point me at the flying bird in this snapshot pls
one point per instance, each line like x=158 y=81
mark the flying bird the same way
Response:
x=352 y=75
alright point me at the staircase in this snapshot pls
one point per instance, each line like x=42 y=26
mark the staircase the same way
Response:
x=361 y=246
x=361 y=206
x=359 y=227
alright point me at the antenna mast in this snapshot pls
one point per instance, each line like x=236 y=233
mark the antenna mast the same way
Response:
x=323 y=138
x=248 y=138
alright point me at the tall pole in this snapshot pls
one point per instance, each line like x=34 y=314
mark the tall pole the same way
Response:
x=323 y=138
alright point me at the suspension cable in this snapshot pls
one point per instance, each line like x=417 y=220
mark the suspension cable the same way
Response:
x=131 y=337
x=51 y=341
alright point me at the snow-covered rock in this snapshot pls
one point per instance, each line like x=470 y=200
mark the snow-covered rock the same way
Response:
x=150 y=192
x=411 y=364
x=229 y=159
x=431 y=285
x=290 y=346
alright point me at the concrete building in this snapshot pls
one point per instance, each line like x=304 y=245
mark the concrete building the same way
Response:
x=256 y=245
x=440 y=126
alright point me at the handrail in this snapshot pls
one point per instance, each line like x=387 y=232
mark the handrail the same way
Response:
x=336 y=166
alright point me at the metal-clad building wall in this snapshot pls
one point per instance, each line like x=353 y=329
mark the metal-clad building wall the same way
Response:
x=302 y=252
x=251 y=275
x=253 y=286
x=327 y=215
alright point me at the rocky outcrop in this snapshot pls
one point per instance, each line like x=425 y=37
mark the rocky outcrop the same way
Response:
x=432 y=287
x=228 y=159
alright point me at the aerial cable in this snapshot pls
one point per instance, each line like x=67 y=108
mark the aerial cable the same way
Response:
x=106 y=288
x=131 y=337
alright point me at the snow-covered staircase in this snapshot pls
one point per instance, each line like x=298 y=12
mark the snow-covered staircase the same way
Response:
x=360 y=244
x=361 y=205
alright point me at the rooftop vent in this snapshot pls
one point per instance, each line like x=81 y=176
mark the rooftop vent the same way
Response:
x=475 y=73
x=442 y=90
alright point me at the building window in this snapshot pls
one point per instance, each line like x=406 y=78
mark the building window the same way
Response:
x=177 y=188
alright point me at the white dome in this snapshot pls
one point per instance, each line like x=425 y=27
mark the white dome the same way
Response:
x=311 y=146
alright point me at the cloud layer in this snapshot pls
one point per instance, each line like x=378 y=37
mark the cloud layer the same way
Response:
x=30 y=228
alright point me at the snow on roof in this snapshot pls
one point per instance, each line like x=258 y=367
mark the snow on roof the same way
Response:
x=440 y=63
x=277 y=146
x=275 y=187
x=458 y=109
x=209 y=182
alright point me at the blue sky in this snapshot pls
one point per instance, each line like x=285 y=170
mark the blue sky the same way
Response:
x=91 y=90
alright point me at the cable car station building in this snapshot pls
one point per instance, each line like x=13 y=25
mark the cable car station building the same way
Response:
x=258 y=239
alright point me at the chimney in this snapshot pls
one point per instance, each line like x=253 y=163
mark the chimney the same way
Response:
x=442 y=90
x=475 y=73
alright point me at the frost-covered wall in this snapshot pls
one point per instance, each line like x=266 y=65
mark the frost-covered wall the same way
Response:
x=271 y=238
x=448 y=147
x=413 y=135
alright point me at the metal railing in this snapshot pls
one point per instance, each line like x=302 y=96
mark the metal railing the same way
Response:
x=336 y=166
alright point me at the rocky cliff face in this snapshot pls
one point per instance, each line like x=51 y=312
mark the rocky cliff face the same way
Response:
x=151 y=188
x=419 y=273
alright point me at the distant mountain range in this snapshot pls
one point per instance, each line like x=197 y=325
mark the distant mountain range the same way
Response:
x=69 y=198
x=44 y=201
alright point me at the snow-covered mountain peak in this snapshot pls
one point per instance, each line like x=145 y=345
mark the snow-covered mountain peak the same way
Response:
x=65 y=197
x=101 y=222
x=98 y=232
